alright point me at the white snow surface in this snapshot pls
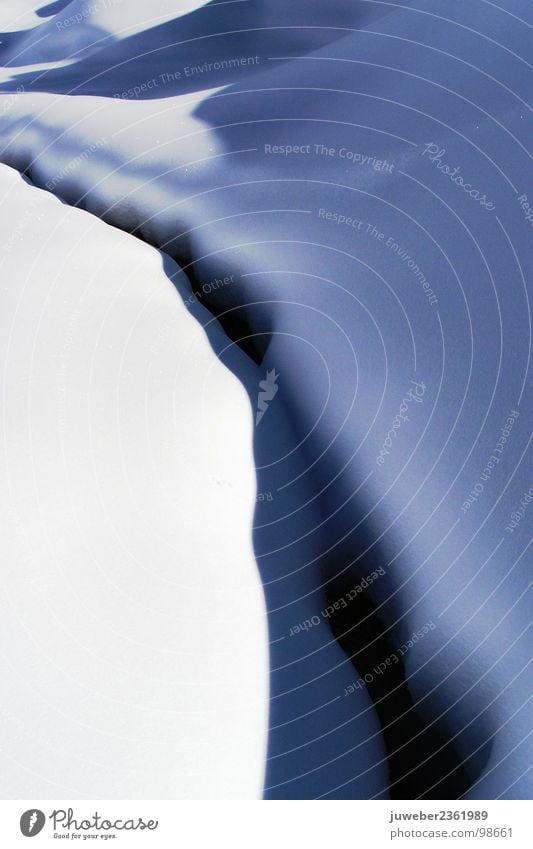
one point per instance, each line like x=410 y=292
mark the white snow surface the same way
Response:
x=134 y=659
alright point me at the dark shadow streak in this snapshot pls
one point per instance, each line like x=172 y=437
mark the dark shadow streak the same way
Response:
x=422 y=760
x=52 y=8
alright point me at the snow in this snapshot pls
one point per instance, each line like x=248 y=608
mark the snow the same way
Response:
x=134 y=661
x=241 y=141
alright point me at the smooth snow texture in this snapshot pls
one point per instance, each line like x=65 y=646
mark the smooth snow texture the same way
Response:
x=195 y=164
x=134 y=659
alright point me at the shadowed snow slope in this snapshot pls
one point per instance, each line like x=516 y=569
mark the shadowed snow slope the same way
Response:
x=343 y=186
